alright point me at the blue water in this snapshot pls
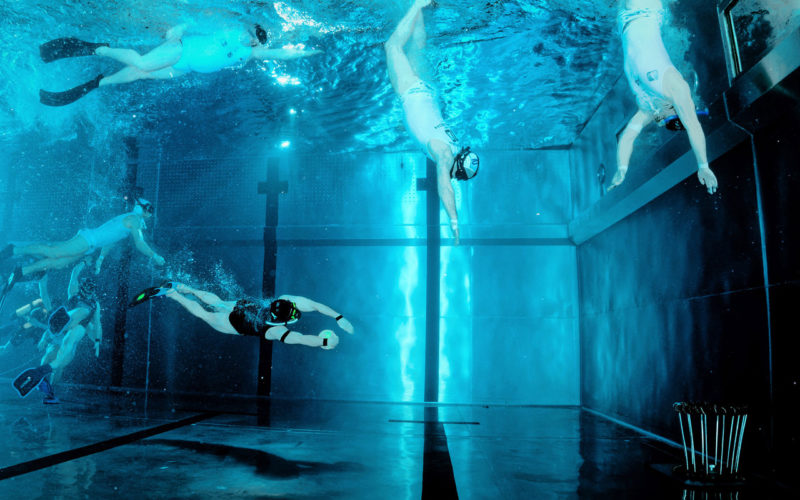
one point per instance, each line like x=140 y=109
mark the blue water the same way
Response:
x=513 y=75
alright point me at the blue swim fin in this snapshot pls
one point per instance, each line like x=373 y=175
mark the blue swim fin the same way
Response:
x=67 y=47
x=68 y=96
x=49 y=394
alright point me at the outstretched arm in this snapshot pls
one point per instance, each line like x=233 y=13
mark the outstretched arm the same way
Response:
x=144 y=248
x=100 y=258
x=448 y=197
x=74 y=279
x=304 y=304
x=685 y=107
x=283 y=334
x=44 y=294
x=625 y=146
x=261 y=52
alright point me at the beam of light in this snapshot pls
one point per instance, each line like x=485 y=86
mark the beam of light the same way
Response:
x=285 y=144
x=456 y=274
x=406 y=333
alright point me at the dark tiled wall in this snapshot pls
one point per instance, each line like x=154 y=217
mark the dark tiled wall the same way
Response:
x=674 y=305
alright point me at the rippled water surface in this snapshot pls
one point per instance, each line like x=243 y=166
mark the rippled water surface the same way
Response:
x=512 y=74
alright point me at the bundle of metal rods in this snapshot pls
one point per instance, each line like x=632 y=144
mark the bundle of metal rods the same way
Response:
x=719 y=457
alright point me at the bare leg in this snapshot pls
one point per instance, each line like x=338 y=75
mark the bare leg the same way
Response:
x=49 y=355
x=401 y=74
x=50 y=264
x=218 y=321
x=67 y=352
x=163 y=56
x=75 y=246
x=131 y=74
x=207 y=297
x=415 y=49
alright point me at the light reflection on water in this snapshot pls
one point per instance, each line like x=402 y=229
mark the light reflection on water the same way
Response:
x=512 y=75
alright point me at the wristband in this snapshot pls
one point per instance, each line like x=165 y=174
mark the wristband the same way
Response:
x=325 y=342
x=285 y=335
x=339 y=317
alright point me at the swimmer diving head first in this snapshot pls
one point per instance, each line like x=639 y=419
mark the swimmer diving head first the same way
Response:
x=404 y=56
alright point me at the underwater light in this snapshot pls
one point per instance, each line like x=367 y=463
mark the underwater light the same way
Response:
x=292 y=111
x=285 y=144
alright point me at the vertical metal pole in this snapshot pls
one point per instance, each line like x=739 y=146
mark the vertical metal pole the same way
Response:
x=691 y=439
x=741 y=439
x=730 y=440
x=433 y=285
x=683 y=440
x=121 y=313
x=272 y=188
x=716 y=443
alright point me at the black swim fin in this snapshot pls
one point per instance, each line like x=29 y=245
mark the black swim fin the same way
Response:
x=149 y=293
x=30 y=378
x=68 y=96
x=58 y=321
x=67 y=47
x=13 y=279
x=7 y=252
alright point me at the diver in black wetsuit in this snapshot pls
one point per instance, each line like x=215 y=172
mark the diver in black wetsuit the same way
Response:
x=250 y=317
x=67 y=326
x=28 y=321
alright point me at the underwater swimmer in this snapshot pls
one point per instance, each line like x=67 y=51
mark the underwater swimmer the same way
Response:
x=178 y=55
x=660 y=90
x=423 y=115
x=250 y=317
x=67 y=326
x=87 y=241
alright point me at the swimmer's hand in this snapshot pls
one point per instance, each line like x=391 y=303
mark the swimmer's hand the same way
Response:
x=708 y=179
x=619 y=176
x=454 y=228
x=333 y=340
x=96 y=348
x=159 y=260
x=345 y=325
x=176 y=31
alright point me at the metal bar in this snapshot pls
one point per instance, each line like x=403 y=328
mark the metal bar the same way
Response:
x=268 y=281
x=741 y=441
x=691 y=440
x=730 y=440
x=683 y=440
x=716 y=444
x=433 y=285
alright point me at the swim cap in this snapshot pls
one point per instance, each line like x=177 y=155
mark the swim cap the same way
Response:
x=280 y=312
x=261 y=34
x=465 y=165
